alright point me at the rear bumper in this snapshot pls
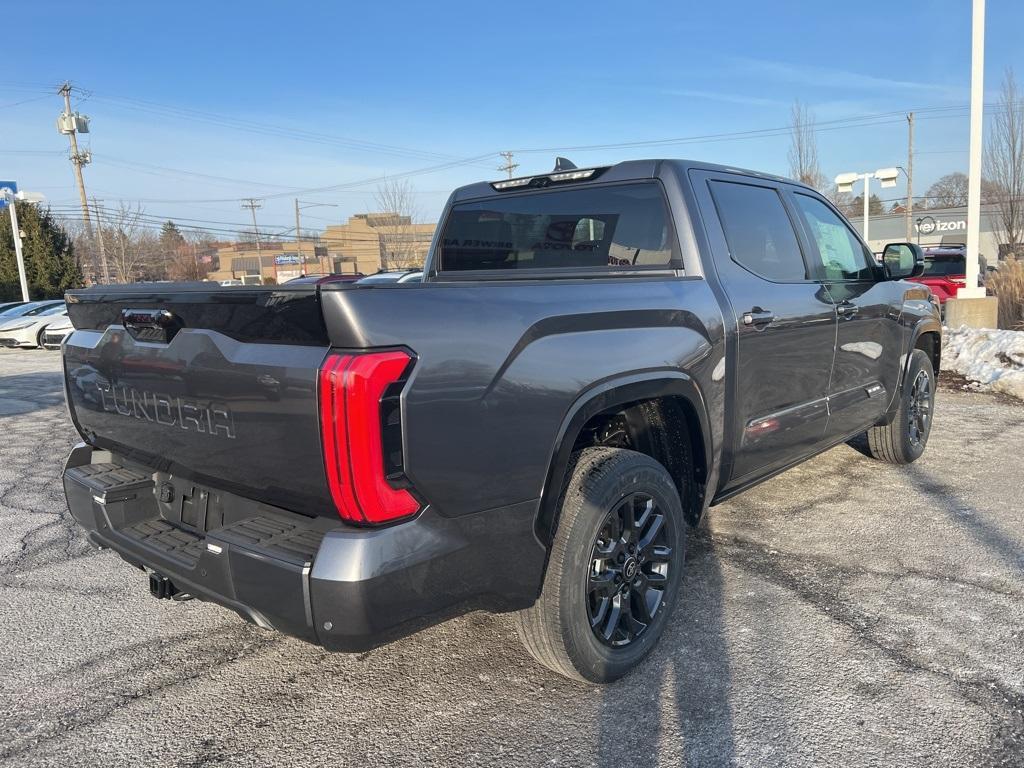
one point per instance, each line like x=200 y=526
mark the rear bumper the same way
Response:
x=345 y=588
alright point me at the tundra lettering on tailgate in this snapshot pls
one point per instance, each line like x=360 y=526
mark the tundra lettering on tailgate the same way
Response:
x=211 y=419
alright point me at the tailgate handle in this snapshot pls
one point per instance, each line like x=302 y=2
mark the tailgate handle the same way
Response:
x=159 y=325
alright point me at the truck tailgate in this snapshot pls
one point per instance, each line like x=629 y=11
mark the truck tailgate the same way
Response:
x=216 y=385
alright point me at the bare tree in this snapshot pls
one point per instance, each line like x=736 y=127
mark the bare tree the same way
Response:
x=844 y=202
x=1004 y=165
x=130 y=246
x=400 y=244
x=803 y=148
x=948 y=192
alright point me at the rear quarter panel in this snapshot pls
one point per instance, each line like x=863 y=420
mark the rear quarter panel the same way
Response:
x=500 y=366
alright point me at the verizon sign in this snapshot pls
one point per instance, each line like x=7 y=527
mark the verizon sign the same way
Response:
x=928 y=226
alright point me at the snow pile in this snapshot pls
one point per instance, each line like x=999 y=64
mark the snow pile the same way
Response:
x=992 y=359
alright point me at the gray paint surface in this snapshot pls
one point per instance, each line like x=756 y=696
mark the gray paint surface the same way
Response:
x=845 y=612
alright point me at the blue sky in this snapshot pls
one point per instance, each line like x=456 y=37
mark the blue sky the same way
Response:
x=274 y=99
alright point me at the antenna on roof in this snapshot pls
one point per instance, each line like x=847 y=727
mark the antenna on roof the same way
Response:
x=561 y=164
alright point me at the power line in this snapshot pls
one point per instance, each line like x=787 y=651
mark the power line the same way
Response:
x=270 y=129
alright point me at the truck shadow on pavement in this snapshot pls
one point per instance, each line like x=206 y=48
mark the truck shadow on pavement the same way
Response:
x=965 y=515
x=676 y=706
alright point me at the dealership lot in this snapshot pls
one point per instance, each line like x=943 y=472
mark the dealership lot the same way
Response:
x=845 y=612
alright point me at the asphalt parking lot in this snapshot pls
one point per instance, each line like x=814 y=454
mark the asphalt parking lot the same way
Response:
x=846 y=612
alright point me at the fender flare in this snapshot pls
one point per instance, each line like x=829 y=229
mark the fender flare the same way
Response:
x=923 y=326
x=601 y=397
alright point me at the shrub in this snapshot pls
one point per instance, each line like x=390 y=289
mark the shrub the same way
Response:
x=1008 y=285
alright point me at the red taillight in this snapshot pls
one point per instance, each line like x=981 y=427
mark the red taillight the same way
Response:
x=351 y=389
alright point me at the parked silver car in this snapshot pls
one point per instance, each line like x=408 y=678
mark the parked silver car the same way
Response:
x=26 y=329
x=56 y=332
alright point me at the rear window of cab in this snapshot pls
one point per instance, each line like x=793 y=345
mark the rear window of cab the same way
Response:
x=616 y=227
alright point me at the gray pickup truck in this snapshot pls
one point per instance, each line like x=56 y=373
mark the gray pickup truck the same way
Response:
x=594 y=357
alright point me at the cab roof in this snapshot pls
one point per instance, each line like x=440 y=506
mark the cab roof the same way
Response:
x=627 y=170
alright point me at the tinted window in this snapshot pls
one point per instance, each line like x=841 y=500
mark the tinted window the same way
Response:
x=948 y=266
x=842 y=253
x=758 y=231
x=621 y=227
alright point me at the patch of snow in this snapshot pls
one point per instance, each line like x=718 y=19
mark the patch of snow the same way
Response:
x=992 y=359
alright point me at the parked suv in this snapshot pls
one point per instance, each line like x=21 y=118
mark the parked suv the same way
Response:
x=592 y=359
x=945 y=270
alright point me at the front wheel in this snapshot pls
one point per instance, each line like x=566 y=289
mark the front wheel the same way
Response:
x=904 y=439
x=615 y=567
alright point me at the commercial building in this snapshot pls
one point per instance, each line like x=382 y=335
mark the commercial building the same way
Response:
x=366 y=243
x=273 y=261
x=380 y=241
x=934 y=227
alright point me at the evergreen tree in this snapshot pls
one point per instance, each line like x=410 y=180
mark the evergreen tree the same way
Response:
x=170 y=237
x=50 y=264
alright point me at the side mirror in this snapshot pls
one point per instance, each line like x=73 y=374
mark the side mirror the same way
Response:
x=902 y=260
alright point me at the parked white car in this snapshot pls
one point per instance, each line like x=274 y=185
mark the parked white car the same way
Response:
x=56 y=332
x=27 y=330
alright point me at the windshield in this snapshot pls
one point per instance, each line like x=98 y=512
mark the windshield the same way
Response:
x=944 y=267
x=24 y=310
x=384 y=277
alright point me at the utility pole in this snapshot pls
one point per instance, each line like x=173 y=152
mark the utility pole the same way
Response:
x=509 y=166
x=252 y=204
x=99 y=239
x=70 y=124
x=910 y=173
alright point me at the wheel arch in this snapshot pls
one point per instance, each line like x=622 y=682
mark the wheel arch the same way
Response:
x=622 y=393
x=928 y=337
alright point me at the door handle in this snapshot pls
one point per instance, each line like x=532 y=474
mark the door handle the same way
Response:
x=758 y=317
x=847 y=309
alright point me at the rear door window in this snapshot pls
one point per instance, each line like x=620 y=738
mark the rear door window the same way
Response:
x=615 y=227
x=758 y=231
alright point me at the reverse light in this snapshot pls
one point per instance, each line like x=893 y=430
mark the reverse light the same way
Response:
x=355 y=392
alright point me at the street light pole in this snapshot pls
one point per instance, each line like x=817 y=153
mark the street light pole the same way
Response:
x=298 y=224
x=8 y=195
x=17 y=246
x=845 y=182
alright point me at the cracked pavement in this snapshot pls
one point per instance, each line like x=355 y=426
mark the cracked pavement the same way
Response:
x=844 y=612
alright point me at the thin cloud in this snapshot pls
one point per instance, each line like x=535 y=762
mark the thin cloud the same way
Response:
x=728 y=98
x=828 y=77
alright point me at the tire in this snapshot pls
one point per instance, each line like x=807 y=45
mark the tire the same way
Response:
x=604 y=487
x=904 y=439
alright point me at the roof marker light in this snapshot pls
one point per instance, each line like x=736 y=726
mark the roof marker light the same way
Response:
x=572 y=175
x=513 y=183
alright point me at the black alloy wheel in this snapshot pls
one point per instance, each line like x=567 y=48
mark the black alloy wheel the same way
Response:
x=629 y=571
x=919 y=412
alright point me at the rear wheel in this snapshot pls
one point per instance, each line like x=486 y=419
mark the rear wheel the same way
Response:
x=904 y=439
x=615 y=567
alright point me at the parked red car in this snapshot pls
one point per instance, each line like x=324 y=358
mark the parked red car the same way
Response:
x=945 y=270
